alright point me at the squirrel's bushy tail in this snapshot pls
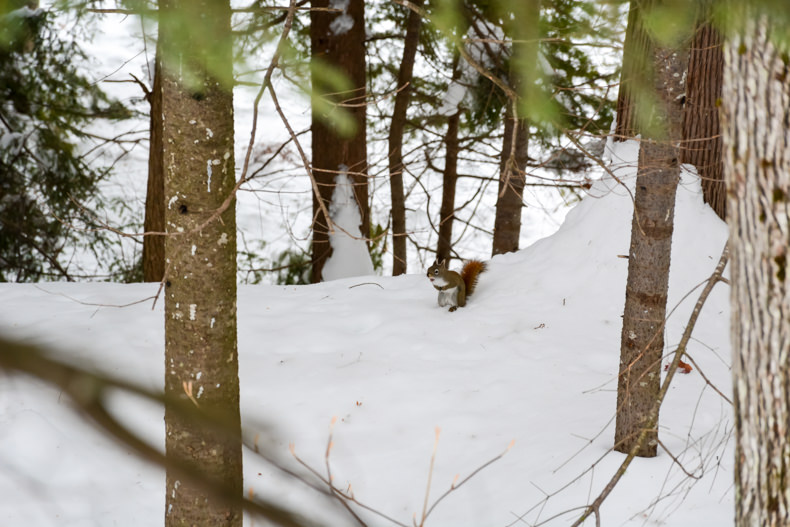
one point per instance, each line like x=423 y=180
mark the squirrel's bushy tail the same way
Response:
x=469 y=274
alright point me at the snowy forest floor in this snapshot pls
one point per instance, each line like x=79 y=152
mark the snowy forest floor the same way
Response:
x=532 y=358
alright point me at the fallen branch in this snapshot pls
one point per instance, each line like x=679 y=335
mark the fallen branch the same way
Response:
x=652 y=418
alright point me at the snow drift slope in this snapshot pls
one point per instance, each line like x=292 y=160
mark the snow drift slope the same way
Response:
x=532 y=358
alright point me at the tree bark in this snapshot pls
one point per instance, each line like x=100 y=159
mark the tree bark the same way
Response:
x=756 y=135
x=337 y=40
x=201 y=361
x=642 y=340
x=444 y=245
x=412 y=40
x=512 y=165
x=525 y=31
x=449 y=179
x=154 y=246
x=701 y=134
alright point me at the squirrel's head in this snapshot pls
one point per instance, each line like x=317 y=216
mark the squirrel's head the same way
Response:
x=437 y=269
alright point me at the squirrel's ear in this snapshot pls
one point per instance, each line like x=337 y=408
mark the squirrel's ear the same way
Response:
x=441 y=264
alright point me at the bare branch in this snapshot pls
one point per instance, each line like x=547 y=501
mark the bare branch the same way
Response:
x=89 y=392
x=652 y=417
x=456 y=486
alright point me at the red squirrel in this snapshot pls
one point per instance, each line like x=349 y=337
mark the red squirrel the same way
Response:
x=454 y=287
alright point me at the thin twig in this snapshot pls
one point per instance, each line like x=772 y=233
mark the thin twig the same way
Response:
x=305 y=160
x=365 y=283
x=267 y=79
x=339 y=494
x=598 y=161
x=705 y=378
x=93 y=304
x=455 y=486
x=430 y=476
x=677 y=461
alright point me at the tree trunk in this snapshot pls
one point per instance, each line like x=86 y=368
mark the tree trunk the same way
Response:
x=633 y=75
x=201 y=361
x=756 y=113
x=337 y=40
x=449 y=179
x=701 y=136
x=410 y=44
x=525 y=32
x=512 y=164
x=154 y=246
x=642 y=340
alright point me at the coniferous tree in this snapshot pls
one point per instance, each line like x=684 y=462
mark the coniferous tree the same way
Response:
x=201 y=359
x=46 y=103
x=662 y=68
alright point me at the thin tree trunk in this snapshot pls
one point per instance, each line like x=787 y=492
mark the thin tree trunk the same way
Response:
x=756 y=113
x=154 y=246
x=201 y=361
x=337 y=40
x=701 y=136
x=410 y=44
x=642 y=339
x=449 y=179
x=444 y=245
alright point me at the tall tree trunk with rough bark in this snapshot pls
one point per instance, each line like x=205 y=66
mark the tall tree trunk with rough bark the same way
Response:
x=642 y=340
x=444 y=245
x=756 y=130
x=701 y=136
x=410 y=44
x=154 y=246
x=337 y=40
x=201 y=361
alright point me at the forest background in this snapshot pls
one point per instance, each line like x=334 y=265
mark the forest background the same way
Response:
x=522 y=89
x=110 y=150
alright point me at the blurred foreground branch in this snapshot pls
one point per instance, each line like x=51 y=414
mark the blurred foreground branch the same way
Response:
x=90 y=391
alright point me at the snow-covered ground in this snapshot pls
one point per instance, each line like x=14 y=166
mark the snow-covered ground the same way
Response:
x=532 y=358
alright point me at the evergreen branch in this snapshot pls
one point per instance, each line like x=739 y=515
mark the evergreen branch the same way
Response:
x=507 y=90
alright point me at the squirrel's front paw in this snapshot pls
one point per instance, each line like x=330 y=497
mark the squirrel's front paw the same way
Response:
x=453 y=308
